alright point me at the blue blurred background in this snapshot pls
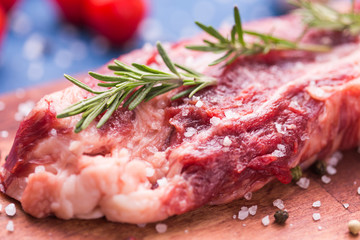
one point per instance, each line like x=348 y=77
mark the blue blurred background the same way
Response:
x=39 y=47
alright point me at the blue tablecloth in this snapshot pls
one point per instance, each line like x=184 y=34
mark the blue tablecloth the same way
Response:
x=39 y=47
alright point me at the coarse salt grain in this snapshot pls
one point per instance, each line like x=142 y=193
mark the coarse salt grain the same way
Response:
x=10 y=226
x=358 y=190
x=0 y=207
x=4 y=134
x=162 y=181
x=319 y=228
x=316 y=204
x=243 y=214
x=190 y=131
x=248 y=195
x=161 y=227
x=186 y=231
x=252 y=210
x=53 y=132
x=265 y=221
x=230 y=114
x=303 y=182
x=39 y=169
x=215 y=121
x=149 y=172
x=227 y=141
x=244 y=225
x=141 y=225
x=335 y=158
x=331 y=170
x=316 y=216
x=279 y=204
x=10 y=210
x=234 y=216
x=325 y=179
x=346 y=205
x=199 y=104
x=2 y=106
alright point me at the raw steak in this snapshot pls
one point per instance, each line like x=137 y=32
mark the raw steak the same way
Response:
x=268 y=114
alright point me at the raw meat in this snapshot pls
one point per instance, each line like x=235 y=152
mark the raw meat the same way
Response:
x=267 y=115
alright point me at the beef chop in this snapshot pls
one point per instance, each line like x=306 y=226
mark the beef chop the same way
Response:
x=268 y=114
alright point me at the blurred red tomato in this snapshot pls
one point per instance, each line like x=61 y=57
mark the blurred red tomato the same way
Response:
x=2 y=24
x=117 y=20
x=71 y=10
x=7 y=4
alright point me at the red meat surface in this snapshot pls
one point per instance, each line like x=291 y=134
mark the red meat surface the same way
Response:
x=268 y=114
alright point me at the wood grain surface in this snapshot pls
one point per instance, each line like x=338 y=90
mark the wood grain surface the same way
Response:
x=208 y=222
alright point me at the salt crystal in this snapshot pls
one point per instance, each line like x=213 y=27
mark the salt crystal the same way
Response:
x=335 y=158
x=189 y=132
x=2 y=106
x=10 y=226
x=162 y=181
x=234 y=216
x=331 y=170
x=161 y=227
x=279 y=204
x=317 y=204
x=227 y=142
x=316 y=216
x=141 y=225
x=325 y=179
x=39 y=169
x=149 y=172
x=303 y=182
x=243 y=213
x=230 y=114
x=278 y=153
x=0 y=207
x=10 y=209
x=281 y=147
x=53 y=132
x=186 y=231
x=291 y=224
x=248 y=195
x=199 y=104
x=304 y=137
x=280 y=128
x=358 y=190
x=24 y=109
x=346 y=205
x=244 y=225
x=265 y=221
x=4 y=134
x=215 y=121
x=319 y=228
x=252 y=210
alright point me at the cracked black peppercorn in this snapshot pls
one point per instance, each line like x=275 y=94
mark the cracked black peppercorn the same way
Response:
x=281 y=216
x=320 y=168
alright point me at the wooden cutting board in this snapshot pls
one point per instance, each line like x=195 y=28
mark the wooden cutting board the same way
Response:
x=209 y=222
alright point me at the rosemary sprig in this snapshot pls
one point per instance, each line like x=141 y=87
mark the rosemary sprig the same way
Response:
x=236 y=46
x=132 y=85
x=321 y=16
